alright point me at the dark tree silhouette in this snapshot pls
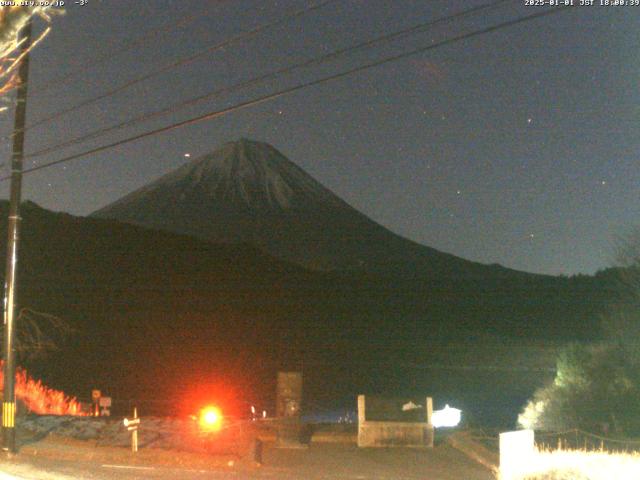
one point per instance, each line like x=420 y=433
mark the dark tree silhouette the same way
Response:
x=597 y=386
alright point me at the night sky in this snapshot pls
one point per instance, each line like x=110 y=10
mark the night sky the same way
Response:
x=519 y=147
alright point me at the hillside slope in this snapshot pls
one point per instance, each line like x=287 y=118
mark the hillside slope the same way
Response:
x=160 y=316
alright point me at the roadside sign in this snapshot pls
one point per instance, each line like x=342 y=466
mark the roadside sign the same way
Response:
x=105 y=405
x=131 y=422
x=95 y=395
x=132 y=425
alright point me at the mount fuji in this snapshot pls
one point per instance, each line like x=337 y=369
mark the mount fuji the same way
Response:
x=248 y=192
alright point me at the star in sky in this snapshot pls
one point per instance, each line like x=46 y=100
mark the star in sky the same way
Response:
x=492 y=88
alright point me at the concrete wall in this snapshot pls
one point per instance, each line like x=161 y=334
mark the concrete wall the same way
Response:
x=288 y=402
x=392 y=432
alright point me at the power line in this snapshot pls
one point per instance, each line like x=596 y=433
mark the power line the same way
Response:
x=183 y=61
x=109 y=56
x=307 y=63
x=280 y=93
x=218 y=113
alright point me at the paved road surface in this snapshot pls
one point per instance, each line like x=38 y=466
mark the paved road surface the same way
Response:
x=51 y=459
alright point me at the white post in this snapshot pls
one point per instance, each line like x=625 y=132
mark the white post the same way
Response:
x=134 y=433
x=517 y=454
x=361 y=420
x=361 y=406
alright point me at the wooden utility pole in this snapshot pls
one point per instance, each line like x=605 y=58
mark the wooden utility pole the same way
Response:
x=13 y=230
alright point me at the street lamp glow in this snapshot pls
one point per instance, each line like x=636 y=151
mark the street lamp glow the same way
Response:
x=447 y=417
x=210 y=418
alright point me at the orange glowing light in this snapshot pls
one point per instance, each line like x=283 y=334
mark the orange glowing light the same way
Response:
x=210 y=418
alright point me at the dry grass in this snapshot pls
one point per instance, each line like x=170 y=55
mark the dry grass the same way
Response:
x=583 y=465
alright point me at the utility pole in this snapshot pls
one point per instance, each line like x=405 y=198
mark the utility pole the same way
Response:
x=13 y=230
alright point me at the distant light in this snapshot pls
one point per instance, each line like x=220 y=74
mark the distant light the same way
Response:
x=447 y=417
x=187 y=155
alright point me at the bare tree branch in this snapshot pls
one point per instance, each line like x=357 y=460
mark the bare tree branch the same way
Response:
x=39 y=333
x=12 y=20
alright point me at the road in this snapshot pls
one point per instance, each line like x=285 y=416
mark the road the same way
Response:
x=63 y=459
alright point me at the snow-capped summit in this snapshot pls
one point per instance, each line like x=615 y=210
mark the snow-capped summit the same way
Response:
x=249 y=173
x=245 y=174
